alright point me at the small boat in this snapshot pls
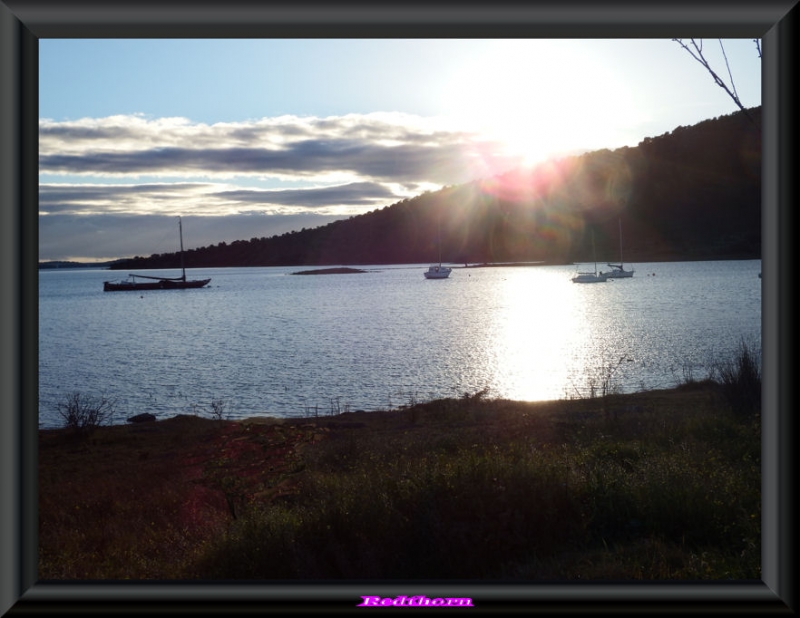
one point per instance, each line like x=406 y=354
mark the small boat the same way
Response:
x=588 y=276
x=156 y=283
x=437 y=271
x=618 y=270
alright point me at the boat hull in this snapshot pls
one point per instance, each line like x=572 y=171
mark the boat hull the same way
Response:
x=133 y=286
x=617 y=272
x=589 y=278
x=437 y=272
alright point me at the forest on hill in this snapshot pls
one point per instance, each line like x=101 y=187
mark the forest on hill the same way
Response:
x=691 y=194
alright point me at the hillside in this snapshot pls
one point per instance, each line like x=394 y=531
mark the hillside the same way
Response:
x=693 y=193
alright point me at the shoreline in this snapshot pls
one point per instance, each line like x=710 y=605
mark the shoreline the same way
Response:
x=267 y=419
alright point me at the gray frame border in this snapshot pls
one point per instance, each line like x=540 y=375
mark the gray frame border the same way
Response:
x=23 y=22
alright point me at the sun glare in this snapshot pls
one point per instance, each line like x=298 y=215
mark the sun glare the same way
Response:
x=541 y=98
x=534 y=326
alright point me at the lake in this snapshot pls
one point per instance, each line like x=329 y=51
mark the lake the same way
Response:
x=265 y=342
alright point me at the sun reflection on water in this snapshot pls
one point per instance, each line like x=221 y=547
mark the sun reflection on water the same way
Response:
x=537 y=324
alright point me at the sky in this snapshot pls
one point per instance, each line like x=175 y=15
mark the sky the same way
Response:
x=249 y=138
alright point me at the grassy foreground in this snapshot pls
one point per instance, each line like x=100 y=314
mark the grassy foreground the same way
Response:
x=647 y=486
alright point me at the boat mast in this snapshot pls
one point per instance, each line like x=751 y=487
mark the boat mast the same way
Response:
x=180 y=231
x=621 y=263
x=439 y=240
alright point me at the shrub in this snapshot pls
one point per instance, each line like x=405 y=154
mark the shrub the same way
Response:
x=84 y=413
x=218 y=409
x=740 y=381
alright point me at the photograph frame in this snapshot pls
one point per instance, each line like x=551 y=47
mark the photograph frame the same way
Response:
x=23 y=23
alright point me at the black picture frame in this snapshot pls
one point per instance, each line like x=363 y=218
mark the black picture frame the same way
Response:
x=24 y=22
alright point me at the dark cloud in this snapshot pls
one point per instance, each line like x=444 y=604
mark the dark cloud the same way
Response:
x=353 y=194
x=406 y=163
x=75 y=133
x=92 y=199
x=54 y=199
x=52 y=196
x=368 y=148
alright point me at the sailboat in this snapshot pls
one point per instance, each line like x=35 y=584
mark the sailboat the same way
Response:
x=618 y=270
x=590 y=276
x=437 y=271
x=156 y=283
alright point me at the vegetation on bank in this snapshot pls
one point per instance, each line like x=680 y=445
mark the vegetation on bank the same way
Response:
x=646 y=486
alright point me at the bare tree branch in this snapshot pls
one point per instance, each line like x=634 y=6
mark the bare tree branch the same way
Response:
x=730 y=75
x=695 y=50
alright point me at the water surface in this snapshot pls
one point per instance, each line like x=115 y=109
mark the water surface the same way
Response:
x=266 y=342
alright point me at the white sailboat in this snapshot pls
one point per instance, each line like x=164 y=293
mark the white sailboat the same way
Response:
x=618 y=270
x=437 y=271
x=588 y=276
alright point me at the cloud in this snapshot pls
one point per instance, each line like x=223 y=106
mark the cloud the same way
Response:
x=206 y=198
x=273 y=175
x=377 y=147
x=355 y=194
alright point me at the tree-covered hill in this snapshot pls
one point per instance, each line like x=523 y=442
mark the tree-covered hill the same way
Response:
x=693 y=193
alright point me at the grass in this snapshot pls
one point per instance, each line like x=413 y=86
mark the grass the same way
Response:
x=666 y=488
x=662 y=485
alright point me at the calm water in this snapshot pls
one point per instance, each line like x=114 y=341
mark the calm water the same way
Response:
x=268 y=343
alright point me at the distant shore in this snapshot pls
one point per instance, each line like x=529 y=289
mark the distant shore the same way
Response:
x=323 y=269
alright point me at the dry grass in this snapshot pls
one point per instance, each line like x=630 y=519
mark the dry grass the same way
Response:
x=660 y=485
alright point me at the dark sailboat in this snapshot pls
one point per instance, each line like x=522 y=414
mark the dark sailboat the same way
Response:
x=132 y=283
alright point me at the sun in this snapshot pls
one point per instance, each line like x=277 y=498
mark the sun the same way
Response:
x=540 y=98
